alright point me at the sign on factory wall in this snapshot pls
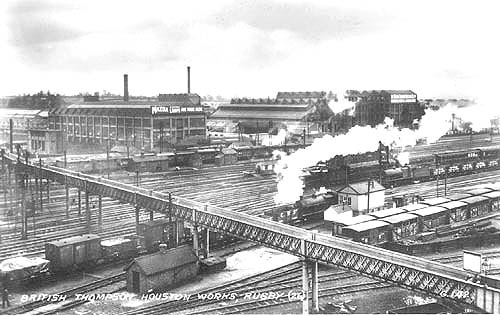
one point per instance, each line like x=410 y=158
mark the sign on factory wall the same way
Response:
x=174 y=109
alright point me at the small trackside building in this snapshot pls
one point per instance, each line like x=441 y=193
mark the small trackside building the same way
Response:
x=362 y=197
x=161 y=270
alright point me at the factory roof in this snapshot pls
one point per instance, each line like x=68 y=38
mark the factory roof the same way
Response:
x=361 y=188
x=164 y=261
x=301 y=95
x=21 y=113
x=388 y=91
x=259 y=114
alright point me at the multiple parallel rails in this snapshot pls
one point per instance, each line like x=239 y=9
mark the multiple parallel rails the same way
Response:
x=406 y=271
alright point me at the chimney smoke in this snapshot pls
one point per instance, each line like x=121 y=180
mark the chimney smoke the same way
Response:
x=189 y=79
x=125 y=87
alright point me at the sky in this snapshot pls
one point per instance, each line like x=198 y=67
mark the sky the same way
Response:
x=439 y=49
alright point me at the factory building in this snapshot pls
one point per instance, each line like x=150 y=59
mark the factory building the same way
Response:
x=373 y=106
x=291 y=110
x=142 y=124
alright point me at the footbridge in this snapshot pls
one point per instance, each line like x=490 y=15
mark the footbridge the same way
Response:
x=406 y=271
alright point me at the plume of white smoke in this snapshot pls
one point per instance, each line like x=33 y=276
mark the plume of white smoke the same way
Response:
x=403 y=158
x=359 y=139
x=272 y=140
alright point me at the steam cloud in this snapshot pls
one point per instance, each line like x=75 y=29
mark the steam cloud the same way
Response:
x=361 y=139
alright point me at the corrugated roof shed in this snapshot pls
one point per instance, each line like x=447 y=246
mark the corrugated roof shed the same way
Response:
x=164 y=261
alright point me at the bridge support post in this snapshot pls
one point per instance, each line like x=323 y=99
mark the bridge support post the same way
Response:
x=207 y=250
x=79 y=202
x=24 y=218
x=88 y=217
x=48 y=192
x=305 y=278
x=151 y=215
x=137 y=209
x=195 y=235
x=99 y=215
x=66 y=188
x=314 y=286
x=305 y=287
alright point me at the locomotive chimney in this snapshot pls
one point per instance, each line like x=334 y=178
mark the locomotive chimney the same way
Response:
x=125 y=87
x=189 y=79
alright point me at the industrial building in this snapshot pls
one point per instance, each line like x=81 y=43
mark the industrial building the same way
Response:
x=142 y=124
x=290 y=110
x=373 y=106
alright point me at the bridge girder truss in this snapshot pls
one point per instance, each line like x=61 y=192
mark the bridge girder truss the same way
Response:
x=295 y=241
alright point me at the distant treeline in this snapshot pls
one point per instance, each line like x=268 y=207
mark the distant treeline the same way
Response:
x=39 y=100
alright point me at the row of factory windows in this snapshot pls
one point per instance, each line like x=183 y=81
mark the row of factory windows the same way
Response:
x=177 y=122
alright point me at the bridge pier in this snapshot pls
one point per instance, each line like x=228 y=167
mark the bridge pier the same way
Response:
x=305 y=287
x=196 y=246
x=137 y=209
x=88 y=216
x=151 y=215
x=207 y=244
x=79 y=202
x=99 y=215
x=66 y=189
x=314 y=286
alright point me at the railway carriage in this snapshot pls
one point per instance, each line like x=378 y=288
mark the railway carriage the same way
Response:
x=457 y=211
x=372 y=232
x=494 y=197
x=479 y=191
x=477 y=206
x=387 y=212
x=431 y=217
x=403 y=225
x=74 y=252
x=413 y=207
x=458 y=196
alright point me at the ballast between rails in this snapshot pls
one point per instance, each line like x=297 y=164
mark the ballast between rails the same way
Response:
x=406 y=271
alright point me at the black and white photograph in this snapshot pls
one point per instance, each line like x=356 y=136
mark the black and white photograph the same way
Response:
x=279 y=157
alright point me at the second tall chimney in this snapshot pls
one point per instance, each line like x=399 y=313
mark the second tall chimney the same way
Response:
x=125 y=87
x=189 y=79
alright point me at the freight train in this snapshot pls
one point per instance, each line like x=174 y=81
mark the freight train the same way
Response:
x=390 y=172
x=425 y=220
x=87 y=251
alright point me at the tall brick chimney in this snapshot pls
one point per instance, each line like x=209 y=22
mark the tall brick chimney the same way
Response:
x=125 y=87
x=189 y=79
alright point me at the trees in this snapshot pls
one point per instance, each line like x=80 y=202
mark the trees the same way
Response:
x=39 y=100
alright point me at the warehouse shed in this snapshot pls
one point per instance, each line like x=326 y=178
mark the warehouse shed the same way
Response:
x=161 y=270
